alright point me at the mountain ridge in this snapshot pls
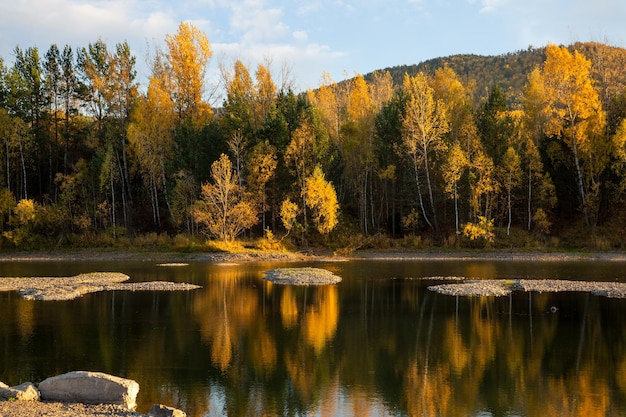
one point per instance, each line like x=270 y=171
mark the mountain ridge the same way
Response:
x=510 y=70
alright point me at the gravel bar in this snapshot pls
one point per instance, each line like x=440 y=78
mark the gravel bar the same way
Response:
x=69 y=288
x=499 y=288
x=301 y=276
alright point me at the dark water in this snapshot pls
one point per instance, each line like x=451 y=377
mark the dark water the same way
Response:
x=379 y=343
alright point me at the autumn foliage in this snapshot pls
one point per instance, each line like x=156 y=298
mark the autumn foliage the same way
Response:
x=537 y=151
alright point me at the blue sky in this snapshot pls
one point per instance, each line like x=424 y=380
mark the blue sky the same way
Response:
x=342 y=37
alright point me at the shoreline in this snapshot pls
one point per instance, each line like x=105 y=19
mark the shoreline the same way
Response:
x=95 y=254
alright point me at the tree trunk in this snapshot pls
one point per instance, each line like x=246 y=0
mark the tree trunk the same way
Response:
x=419 y=192
x=581 y=186
x=430 y=189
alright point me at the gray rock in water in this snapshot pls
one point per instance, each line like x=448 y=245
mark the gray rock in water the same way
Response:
x=22 y=392
x=90 y=388
x=159 y=410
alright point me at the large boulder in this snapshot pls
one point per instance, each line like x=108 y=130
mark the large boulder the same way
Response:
x=22 y=392
x=160 y=410
x=90 y=388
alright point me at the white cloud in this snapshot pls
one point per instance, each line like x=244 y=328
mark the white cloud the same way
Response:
x=256 y=22
x=300 y=36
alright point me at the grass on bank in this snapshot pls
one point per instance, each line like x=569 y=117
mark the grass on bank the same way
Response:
x=343 y=241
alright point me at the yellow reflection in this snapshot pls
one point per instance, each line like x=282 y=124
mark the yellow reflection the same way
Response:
x=288 y=308
x=221 y=307
x=578 y=396
x=427 y=390
x=321 y=318
x=265 y=352
x=455 y=348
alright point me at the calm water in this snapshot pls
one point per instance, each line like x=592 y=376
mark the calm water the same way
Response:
x=378 y=344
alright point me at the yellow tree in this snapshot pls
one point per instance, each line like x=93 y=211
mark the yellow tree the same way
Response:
x=455 y=164
x=534 y=120
x=188 y=54
x=239 y=103
x=462 y=136
x=511 y=168
x=265 y=93
x=423 y=128
x=224 y=208
x=330 y=100
x=261 y=166
x=455 y=97
x=382 y=89
x=300 y=157
x=356 y=145
x=577 y=118
x=321 y=198
x=150 y=135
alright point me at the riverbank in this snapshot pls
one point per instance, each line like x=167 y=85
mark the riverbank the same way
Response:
x=310 y=255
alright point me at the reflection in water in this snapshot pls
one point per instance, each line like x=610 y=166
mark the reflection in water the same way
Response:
x=376 y=344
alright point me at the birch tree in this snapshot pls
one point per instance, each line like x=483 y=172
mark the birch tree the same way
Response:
x=424 y=126
x=577 y=118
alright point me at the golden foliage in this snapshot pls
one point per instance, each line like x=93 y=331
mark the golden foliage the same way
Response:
x=320 y=196
x=223 y=207
x=288 y=213
x=481 y=230
x=188 y=54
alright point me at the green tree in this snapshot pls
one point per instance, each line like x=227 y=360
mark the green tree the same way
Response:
x=7 y=204
x=494 y=124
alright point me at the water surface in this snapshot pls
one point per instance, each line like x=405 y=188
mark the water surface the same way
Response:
x=379 y=343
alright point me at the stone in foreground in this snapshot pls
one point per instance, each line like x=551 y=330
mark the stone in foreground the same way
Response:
x=22 y=392
x=159 y=410
x=90 y=388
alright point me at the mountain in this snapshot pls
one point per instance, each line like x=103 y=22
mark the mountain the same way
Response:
x=510 y=70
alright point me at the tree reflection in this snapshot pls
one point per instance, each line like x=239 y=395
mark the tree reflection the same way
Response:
x=244 y=347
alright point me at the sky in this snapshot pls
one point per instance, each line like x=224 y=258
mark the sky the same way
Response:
x=310 y=37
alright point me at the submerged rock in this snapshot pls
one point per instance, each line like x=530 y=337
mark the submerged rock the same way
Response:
x=90 y=388
x=160 y=410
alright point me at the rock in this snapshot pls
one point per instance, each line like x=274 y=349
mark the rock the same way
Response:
x=22 y=392
x=90 y=388
x=159 y=410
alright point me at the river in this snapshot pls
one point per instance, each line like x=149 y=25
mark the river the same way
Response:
x=379 y=343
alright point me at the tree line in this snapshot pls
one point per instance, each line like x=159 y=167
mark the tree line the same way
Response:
x=86 y=152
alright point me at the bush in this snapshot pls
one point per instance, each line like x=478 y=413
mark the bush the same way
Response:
x=233 y=246
x=269 y=242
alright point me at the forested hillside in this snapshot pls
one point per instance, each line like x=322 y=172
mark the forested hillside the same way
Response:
x=527 y=149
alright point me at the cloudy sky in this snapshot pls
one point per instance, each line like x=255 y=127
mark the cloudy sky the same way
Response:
x=312 y=36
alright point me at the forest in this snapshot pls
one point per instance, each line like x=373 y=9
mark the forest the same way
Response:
x=523 y=150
